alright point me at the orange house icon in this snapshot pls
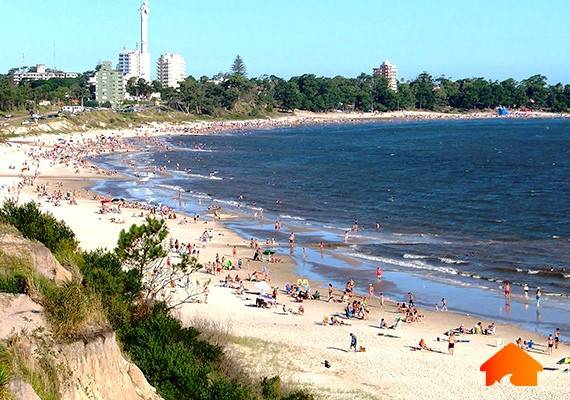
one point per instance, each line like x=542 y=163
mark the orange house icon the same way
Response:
x=512 y=360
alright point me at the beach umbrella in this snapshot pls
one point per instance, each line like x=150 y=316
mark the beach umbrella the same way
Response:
x=565 y=360
x=268 y=252
x=263 y=286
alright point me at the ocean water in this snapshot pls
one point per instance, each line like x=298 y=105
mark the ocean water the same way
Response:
x=463 y=204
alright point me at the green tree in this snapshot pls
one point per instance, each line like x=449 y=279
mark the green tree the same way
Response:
x=287 y=95
x=385 y=99
x=142 y=249
x=423 y=87
x=138 y=87
x=536 y=91
x=238 y=67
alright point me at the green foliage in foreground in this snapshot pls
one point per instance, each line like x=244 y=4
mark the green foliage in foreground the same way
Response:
x=177 y=362
x=5 y=371
x=37 y=225
x=173 y=358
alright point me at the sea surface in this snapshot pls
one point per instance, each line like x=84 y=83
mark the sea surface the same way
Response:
x=463 y=205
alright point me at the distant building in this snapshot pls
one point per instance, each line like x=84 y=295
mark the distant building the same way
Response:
x=39 y=73
x=109 y=86
x=129 y=64
x=136 y=63
x=389 y=72
x=171 y=69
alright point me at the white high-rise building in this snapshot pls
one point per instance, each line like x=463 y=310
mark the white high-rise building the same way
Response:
x=136 y=63
x=129 y=63
x=389 y=72
x=171 y=69
x=145 y=55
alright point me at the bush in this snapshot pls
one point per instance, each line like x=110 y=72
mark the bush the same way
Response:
x=176 y=362
x=117 y=289
x=37 y=225
x=13 y=284
x=69 y=257
x=17 y=276
x=71 y=310
x=271 y=388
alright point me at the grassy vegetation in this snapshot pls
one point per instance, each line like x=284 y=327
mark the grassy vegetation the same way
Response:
x=5 y=371
x=18 y=276
x=72 y=311
x=37 y=367
x=108 y=119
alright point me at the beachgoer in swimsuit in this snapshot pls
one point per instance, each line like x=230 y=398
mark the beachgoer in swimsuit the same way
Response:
x=556 y=337
x=451 y=344
x=550 y=344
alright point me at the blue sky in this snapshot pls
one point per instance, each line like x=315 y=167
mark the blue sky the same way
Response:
x=457 y=38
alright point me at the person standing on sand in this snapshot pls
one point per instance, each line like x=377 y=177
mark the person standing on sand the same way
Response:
x=381 y=299
x=550 y=345
x=443 y=304
x=330 y=293
x=451 y=344
x=411 y=299
x=370 y=292
x=556 y=337
x=353 y=342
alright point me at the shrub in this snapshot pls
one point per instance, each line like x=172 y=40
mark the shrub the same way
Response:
x=36 y=225
x=71 y=310
x=176 y=362
x=13 y=284
x=16 y=275
x=69 y=257
x=271 y=388
x=117 y=289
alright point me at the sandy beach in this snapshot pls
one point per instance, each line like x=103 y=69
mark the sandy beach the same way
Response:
x=276 y=340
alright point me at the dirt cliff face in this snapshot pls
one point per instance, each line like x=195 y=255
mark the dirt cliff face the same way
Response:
x=97 y=370
x=41 y=258
x=88 y=369
x=91 y=369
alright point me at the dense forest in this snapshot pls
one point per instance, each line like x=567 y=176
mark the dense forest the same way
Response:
x=235 y=92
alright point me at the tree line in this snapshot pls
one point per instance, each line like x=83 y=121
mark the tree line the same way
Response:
x=236 y=93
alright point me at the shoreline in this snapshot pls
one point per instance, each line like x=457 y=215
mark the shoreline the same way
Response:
x=271 y=326
x=296 y=118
